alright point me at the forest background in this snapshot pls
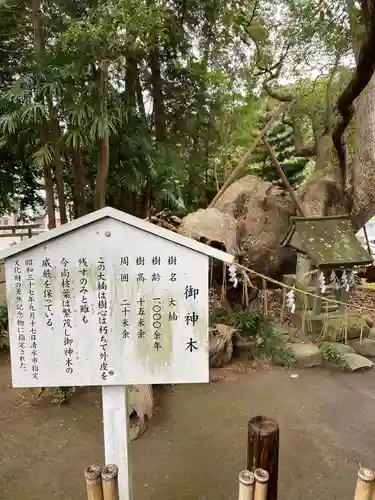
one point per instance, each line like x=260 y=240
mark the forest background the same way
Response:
x=144 y=105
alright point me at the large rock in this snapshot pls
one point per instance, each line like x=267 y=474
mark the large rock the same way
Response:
x=371 y=335
x=368 y=320
x=305 y=355
x=334 y=327
x=212 y=226
x=285 y=333
x=353 y=362
x=364 y=347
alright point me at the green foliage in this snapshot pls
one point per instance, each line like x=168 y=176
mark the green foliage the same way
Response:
x=330 y=354
x=57 y=102
x=18 y=180
x=283 y=354
x=365 y=284
x=61 y=395
x=262 y=336
x=182 y=101
x=248 y=322
x=281 y=140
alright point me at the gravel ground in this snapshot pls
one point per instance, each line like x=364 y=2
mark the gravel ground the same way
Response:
x=196 y=444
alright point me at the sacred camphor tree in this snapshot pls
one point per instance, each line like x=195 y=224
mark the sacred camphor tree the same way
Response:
x=258 y=212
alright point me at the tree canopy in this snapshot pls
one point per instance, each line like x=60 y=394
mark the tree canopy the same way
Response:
x=146 y=104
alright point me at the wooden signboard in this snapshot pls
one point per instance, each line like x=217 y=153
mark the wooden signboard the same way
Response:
x=109 y=300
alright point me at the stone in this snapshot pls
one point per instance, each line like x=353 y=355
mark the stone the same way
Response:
x=305 y=355
x=366 y=347
x=216 y=360
x=371 y=335
x=285 y=337
x=283 y=357
x=334 y=326
x=283 y=332
x=339 y=347
x=368 y=320
x=353 y=362
x=242 y=353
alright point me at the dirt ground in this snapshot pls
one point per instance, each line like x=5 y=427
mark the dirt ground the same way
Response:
x=196 y=444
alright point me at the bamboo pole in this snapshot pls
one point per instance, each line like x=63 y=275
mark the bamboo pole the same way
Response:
x=372 y=496
x=94 y=482
x=364 y=486
x=246 y=485
x=263 y=450
x=261 y=484
x=247 y=155
x=367 y=241
x=283 y=176
x=110 y=482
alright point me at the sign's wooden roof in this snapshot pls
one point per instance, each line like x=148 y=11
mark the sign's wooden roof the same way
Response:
x=125 y=219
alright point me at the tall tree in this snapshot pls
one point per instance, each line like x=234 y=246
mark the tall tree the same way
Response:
x=39 y=50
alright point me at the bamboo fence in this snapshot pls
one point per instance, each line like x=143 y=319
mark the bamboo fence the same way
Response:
x=254 y=485
x=102 y=484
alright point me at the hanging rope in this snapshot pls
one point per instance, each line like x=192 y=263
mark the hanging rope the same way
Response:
x=298 y=290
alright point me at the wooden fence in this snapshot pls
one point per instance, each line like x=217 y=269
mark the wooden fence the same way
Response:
x=20 y=231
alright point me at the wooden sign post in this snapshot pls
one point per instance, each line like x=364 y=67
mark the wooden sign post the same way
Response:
x=109 y=300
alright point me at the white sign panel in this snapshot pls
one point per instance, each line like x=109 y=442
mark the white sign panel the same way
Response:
x=107 y=304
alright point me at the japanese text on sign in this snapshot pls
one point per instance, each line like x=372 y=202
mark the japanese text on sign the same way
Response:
x=95 y=315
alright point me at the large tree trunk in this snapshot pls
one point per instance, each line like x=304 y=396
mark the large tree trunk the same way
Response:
x=48 y=179
x=363 y=165
x=103 y=164
x=54 y=134
x=60 y=184
x=103 y=169
x=324 y=147
x=50 y=199
x=139 y=93
x=131 y=82
x=60 y=188
x=78 y=184
x=37 y=26
x=145 y=200
x=157 y=94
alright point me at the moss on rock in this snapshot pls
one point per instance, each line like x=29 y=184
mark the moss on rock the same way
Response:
x=333 y=328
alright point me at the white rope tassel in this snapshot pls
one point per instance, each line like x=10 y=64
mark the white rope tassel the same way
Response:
x=232 y=275
x=351 y=278
x=291 y=301
x=334 y=280
x=322 y=282
x=344 y=281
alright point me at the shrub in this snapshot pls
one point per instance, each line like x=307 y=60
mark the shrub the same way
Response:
x=330 y=354
x=262 y=336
